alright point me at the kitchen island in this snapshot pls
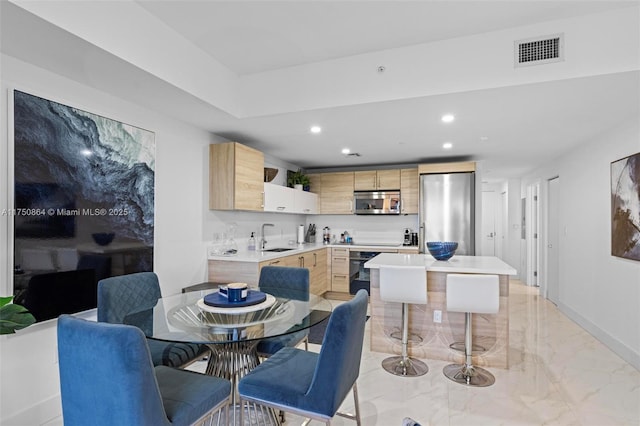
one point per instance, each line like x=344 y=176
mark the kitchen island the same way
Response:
x=489 y=331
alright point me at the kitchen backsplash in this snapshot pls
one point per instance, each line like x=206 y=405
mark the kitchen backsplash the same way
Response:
x=367 y=229
x=363 y=229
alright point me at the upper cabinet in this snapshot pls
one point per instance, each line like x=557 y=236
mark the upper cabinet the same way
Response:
x=371 y=180
x=335 y=190
x=236 y=177
x=278 y=198
x=409 y=183
x=458 y=167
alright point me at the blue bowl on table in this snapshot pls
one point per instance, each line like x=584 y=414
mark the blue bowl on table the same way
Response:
x=442 y=250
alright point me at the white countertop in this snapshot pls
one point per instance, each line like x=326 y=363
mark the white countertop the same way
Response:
x=463 y=264
x=244 y=255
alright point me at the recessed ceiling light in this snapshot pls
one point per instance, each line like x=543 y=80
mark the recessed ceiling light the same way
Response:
x=448 y=118
x=346 y=151
x=315 y=129
x=447 y=145
x=86 y=152
x=484 y=138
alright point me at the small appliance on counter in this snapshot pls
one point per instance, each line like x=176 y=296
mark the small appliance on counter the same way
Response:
x=326 y=235
x=407 y=241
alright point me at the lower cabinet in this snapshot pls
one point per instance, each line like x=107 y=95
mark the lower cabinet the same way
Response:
x=223 y=271
x=340 y=270
x=315 y=261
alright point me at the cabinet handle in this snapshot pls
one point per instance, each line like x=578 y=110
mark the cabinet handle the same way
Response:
x=274 y=262
x=262 y=205
x=301 y=261
x=281 y=208
x=315 y=259
x=351 y=206
x=374 y=182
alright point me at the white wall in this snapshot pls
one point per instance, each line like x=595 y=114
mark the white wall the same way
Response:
x=29 y=387
x=598 y=291
x=184 y=226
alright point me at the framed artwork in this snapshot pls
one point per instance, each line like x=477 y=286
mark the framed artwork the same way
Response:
x=84 y=189
x=625 y=207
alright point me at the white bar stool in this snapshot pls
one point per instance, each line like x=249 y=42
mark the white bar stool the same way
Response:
x=471 y=293
x=404 y=284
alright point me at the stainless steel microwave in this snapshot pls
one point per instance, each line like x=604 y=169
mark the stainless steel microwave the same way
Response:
x=376 y=202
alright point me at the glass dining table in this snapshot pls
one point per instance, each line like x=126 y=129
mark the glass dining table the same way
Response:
x=233 y=333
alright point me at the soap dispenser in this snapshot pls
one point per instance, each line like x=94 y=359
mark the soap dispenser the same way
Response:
x=251 y=246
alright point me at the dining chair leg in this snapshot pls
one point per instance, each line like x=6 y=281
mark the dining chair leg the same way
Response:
x=356 y=402
x=241 y=411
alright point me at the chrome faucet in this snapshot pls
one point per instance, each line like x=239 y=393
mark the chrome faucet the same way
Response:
x=263 y=240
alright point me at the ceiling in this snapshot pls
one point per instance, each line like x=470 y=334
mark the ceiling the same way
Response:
x=512 y=130
x=256 y=36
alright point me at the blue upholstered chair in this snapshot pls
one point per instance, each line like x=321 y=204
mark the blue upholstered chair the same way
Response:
x=292 y=283
x=129 y=299
x=107 y=378
x=316 y=384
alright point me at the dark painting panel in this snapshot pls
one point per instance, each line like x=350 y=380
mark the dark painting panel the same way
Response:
x=625 y=207
x=83 y=201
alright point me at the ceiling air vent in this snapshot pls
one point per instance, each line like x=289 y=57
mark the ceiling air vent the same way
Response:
x=539 y=50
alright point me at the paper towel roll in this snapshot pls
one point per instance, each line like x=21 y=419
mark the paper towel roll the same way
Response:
x=300 y=234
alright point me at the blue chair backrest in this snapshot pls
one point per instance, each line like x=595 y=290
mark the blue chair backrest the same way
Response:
x=106 y=375
x=281 y=281
x=129 y=299
x=339 y=360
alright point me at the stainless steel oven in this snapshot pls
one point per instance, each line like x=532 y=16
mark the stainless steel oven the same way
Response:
x=358 y=274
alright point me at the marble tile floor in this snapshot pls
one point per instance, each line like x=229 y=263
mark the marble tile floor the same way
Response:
x=559 y=375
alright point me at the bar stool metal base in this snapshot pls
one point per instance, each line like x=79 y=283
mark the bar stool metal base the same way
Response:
x=406 y=367
x=469 y=375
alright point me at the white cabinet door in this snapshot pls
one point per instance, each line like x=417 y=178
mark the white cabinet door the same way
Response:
x=278 y=198
x=305 y=202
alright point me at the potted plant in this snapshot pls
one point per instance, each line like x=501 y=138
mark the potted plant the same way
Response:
x=298 y=180
x=13 y=316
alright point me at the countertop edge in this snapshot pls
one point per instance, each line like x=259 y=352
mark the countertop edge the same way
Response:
x=260 y=256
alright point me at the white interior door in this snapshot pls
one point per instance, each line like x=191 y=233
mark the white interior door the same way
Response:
x=488 y=232
x=553 y=229
x=502 y=220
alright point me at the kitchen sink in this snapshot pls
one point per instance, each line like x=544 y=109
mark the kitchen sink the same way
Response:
x=278 y=249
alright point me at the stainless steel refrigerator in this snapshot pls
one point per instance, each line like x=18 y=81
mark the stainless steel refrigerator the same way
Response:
x=447 y=210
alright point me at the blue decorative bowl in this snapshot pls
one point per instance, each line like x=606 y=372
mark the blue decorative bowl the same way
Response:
x=103 y=238
x=442 y=250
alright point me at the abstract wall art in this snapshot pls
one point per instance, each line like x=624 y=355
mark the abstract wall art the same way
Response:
x=625 y=207
x=83 y=196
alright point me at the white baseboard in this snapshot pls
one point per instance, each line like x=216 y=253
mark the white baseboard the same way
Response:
x=619 y=348
x=45 y=413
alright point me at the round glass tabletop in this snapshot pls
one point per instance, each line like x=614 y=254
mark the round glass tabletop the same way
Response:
x=184 y=318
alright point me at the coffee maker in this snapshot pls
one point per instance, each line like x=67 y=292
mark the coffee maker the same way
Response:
x=407 y=237
x=410 y=238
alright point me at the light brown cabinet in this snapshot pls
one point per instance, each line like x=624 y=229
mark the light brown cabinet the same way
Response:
x=409 y=184
x=316 y=261
x=371 y=180
x=236 y=175
x=340 y=270
x=336 y=192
